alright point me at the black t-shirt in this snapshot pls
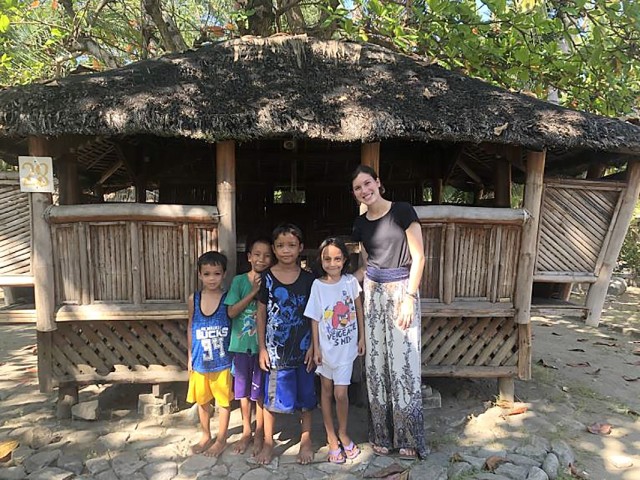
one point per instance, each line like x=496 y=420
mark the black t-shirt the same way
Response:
x=288 y=332
x=385 y=239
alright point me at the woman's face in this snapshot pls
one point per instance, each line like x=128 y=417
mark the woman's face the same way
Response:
x=366 y=189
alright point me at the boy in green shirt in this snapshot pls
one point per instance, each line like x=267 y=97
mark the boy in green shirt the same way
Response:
x=248 y=377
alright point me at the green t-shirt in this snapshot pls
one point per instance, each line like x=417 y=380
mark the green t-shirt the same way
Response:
x=244 y=338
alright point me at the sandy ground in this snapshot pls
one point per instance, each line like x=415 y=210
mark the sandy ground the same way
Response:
x=581 y=375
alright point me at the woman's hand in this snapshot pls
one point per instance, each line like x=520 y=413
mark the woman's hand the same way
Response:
x=406 y=312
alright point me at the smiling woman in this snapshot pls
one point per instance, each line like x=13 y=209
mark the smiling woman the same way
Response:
x=392 y=240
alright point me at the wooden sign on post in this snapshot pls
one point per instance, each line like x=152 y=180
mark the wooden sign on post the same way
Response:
x=36 y=174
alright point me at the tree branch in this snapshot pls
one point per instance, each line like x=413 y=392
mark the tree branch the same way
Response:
x=171 y=38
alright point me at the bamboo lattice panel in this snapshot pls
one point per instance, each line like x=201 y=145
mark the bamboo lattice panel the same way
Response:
x=469 y=341
x=15 y=231
x=573 y=228
x=110 y=350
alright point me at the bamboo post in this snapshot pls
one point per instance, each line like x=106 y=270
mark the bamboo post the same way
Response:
x=526 y=262
x=598 y=290
x=436 y=191
x=448 y=285
x=226 y=199
x=42 y=270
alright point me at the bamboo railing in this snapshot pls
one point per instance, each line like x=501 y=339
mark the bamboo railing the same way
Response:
x=468 y=290
x=123 y=273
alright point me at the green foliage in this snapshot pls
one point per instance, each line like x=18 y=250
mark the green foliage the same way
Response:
x=587 y=51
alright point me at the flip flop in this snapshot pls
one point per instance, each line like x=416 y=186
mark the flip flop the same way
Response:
x=336 y=456
x=380 y=451
x=403 y=454
x=351 y=451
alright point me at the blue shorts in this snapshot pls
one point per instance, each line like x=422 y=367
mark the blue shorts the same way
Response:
x=290 y=390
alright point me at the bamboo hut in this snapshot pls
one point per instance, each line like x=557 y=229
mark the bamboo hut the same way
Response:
x=238 y=136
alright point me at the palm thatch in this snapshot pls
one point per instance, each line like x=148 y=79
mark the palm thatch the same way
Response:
x=298 y=87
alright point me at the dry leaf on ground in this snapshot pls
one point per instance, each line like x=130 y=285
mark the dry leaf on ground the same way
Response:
x=630 y=379
x=546 y=365
x=636 y=351
x=599 y=428
x=606 y=344
x=582 y=340
x=392 y=469
x=636 y=363
x=576 y=350
x=493 y=462
x=581 y=364
x=515 y=411
x=575 y=473
x=595 y=372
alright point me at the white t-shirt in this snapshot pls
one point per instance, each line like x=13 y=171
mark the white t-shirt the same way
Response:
x=333 y=306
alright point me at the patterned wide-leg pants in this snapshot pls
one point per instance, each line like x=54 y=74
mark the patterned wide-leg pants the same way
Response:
x=393 y=369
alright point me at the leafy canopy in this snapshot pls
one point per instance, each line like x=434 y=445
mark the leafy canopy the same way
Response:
x=585 y=52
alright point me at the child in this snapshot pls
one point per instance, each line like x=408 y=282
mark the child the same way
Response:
x=248 y=377
x=338 y=338
x=284 y=339
x=209 y=361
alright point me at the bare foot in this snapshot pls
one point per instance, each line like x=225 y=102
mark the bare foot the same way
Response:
x=258 y=442
x=266 y=454
x=305 y=455
x=242 y=444
x=201 y=446
x=217 y=448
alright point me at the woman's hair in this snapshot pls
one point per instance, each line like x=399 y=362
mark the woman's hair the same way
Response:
x=367 y=170
x=336 y=242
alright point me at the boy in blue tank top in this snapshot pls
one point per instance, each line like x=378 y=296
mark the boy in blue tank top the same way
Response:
x=209 y=362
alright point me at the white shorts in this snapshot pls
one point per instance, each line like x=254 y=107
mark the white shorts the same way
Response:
x=341 y=375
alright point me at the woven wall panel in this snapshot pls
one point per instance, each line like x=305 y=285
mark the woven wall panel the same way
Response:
x=67 y=264
x=162 y=256
x=15 y=231
x=469 y=341
x=98 y=349
x=573 y=227
x=110 y=262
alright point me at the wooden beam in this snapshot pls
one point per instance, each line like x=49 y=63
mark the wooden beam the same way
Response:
x=502 y=184
x=458 y=214
x=598 y=290
x=528 y=243
x=69 y=183
x=370 y=155
x=110 y=171
x=133 y=211
x=226 y=200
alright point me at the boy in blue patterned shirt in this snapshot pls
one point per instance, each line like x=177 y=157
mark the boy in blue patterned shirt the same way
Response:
x=284 y=342
x=209 y=362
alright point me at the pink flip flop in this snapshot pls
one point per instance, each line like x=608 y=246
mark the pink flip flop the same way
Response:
x=351 y=451
x=336 y=456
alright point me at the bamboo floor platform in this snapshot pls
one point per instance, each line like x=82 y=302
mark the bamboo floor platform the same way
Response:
x=18 y=313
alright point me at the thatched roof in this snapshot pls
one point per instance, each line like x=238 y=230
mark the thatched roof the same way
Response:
x=255 y=88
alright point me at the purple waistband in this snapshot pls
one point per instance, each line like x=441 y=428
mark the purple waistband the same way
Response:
x=387 y=275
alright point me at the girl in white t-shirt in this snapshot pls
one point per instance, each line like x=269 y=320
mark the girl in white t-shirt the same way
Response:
x=338 y=338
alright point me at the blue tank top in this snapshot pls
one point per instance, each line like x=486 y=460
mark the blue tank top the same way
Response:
x=210 y=335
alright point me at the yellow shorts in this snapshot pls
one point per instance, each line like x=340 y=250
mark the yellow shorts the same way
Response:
x=203 y=387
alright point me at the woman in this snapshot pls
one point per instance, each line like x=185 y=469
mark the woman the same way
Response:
x=391 y=239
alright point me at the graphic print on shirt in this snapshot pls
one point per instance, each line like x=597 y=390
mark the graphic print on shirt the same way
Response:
x=285 y=325
x=212 y=340
x=340 y=320
x=248 y=322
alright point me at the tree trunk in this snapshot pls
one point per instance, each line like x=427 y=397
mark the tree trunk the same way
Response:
x=262 y=21
x=171 y=38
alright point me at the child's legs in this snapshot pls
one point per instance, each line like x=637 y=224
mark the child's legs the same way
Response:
x=200 y=392
x=341 y=381
x=326 y=403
